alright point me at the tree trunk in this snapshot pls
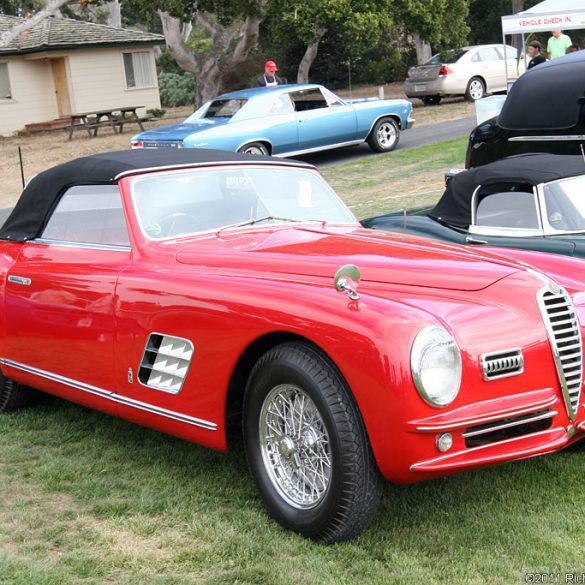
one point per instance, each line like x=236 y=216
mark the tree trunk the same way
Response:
x=114 y=13
x=423 y=49
x=309 y=57
x=209 y=68
x=51 y=7
x=517 y=6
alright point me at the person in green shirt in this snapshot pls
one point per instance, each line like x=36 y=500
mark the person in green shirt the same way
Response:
x=558 y=44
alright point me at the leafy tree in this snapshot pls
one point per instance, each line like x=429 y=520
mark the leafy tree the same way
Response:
x=485 y=18
x=433 y=23
x=357 y=24
x=231 y=27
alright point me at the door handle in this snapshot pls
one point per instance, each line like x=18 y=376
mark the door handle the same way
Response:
x=471 y=240
x=19 y=280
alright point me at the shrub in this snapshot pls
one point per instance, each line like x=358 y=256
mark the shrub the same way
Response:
x=157 y=112
x=176 y=89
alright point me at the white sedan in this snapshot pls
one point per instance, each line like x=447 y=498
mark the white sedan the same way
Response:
x=469 y=71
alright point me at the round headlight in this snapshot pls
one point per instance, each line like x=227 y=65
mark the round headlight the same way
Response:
x=435 y=361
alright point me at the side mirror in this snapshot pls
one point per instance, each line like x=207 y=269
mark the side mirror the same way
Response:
x=346 y=280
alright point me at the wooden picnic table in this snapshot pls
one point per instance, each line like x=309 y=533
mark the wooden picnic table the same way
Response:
x=113 y=117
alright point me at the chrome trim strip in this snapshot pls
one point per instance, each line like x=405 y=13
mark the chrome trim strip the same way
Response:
x=515 y=423
x=228 y=163
x=487 y=419
x=476 y=449
x=19 y=280
x=560 y=137
x=83 y=245
x=516 y=361
x=319 y=148
x=118 y=398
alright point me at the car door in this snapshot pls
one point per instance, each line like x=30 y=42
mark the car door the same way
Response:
x=282 y=130
x=322 y=121
x=60 y=294
x=491 y=67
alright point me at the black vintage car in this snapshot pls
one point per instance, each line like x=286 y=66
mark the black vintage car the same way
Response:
x=531 y=201
x=542 y=113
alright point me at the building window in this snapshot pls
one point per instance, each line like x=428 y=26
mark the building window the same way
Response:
x=138 y=68
x=5 y=92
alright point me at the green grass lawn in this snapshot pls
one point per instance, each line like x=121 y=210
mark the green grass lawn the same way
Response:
x=406 y=178
x=90 y=499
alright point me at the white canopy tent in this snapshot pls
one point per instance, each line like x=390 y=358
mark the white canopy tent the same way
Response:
x=546 y=16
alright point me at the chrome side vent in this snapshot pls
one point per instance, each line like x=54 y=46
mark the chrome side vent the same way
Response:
x=501 y=364
x=165 y=362
x=565 y=340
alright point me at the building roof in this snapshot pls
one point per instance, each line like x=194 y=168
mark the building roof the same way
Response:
x=58 y=34
x=44 y=190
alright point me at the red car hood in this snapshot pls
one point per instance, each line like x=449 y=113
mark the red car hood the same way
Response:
x=381 y=257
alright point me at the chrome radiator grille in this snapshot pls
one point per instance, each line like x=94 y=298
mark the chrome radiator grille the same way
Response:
x=564 y=335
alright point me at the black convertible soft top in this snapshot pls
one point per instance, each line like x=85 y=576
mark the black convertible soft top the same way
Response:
x=43 y=191
x=547 y=97
x=454 y=207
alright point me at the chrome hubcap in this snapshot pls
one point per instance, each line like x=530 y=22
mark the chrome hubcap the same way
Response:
x=254 y=150
x=386 y=135
x=476 y=90
x=295 y=446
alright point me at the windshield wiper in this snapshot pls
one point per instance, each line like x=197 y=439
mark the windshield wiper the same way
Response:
x=266 y=218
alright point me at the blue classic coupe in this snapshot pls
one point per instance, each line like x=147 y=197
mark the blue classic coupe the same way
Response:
x=285 y=121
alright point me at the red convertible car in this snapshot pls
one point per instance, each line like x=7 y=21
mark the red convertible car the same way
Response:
x=186 y=290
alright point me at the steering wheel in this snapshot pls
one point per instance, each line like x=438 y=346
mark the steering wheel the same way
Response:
x=185 y=222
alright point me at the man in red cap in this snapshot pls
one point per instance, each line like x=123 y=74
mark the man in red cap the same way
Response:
x=269 y=79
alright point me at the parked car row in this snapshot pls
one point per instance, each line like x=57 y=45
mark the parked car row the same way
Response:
x=187 y=289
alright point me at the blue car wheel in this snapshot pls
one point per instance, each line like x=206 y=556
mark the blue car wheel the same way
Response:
x=254 y=148
x=384 y=135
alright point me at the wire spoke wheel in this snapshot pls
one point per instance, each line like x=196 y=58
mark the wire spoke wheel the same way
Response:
x=295 y=446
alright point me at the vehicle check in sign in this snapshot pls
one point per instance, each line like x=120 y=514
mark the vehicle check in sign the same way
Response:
x=545 y=21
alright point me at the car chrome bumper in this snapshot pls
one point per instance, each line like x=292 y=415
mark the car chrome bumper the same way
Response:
x=446 y=85
x=490 y=432
x=410 y=123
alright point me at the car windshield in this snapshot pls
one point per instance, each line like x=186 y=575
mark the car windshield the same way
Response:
x=565 y=204
x=220 y=108
x=449 y=56
x=177 y=203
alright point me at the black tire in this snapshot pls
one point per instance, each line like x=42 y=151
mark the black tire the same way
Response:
x=475 y=89
x=384 y=136
x=254 y=148
x=14 y=396
x=351 y=496
x=431 y=100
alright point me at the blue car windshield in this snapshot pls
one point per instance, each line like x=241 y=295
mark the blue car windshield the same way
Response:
x=177 y=203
